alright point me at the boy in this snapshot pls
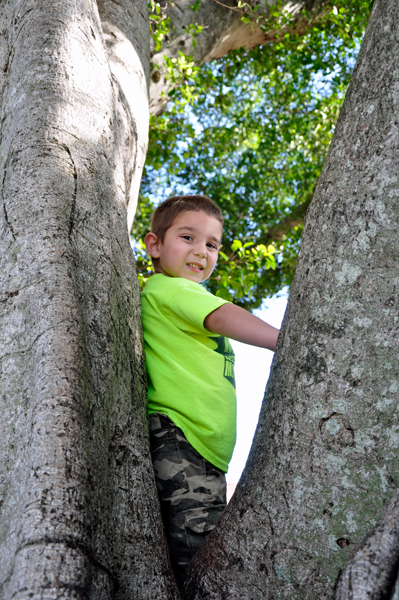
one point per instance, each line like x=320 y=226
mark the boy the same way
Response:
x=190 y=364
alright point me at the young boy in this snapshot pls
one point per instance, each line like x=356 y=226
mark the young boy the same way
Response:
x=190 y=364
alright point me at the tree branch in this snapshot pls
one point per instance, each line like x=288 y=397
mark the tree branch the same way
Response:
x=227 y=33
x=230 y=7
x=295 y=218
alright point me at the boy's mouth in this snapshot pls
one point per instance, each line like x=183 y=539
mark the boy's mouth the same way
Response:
x=195 y=266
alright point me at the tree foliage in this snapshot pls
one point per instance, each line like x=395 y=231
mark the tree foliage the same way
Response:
x=251 y=131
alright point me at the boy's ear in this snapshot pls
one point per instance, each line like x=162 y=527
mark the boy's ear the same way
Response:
x=152 y=245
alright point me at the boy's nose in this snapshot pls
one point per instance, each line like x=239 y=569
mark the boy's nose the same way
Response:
x=200 y=252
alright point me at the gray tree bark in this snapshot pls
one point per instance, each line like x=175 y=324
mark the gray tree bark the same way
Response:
x=324 y=462
x=373 y=571
x=79 y=515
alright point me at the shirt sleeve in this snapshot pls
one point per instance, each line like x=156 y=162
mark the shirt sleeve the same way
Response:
x=189 y=307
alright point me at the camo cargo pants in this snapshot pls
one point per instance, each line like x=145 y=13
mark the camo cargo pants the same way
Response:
x=192 y=491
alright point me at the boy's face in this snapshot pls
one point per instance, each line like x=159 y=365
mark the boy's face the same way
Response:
x=190 y=248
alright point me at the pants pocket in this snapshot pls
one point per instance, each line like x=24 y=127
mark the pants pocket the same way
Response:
x=204 y=518
x=168 y=463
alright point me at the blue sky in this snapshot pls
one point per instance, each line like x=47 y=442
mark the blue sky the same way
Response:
x=252 y=371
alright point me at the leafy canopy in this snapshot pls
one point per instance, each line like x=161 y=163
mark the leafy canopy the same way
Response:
x=251 y=131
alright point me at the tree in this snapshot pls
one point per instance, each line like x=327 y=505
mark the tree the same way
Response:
x=254 y=137
x=79 y=511
x=79 y=517
x=325 y=453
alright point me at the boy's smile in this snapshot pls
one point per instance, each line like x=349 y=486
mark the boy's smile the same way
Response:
x=190 y=247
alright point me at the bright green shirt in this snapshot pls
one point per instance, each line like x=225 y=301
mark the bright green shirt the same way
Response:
x=190 y=370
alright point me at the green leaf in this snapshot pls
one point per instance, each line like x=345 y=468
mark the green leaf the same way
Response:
x=236 y=245
x=223 y=293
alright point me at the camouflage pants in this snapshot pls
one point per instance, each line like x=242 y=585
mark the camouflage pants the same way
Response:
x=192 y=491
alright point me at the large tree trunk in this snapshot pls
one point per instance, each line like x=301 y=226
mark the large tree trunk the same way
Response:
x=79 y=515
x=324 y=463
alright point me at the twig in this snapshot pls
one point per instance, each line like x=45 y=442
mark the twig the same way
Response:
x=230 y=7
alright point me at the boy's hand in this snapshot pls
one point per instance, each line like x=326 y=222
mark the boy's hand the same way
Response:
x=236 y=323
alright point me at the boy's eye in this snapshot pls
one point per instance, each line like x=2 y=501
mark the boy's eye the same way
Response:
x=187 y=237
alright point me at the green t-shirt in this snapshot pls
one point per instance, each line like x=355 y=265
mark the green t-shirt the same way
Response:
x=190 y=370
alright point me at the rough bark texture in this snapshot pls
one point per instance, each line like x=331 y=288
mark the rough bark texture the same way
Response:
x=222 y=32
x=125 y=31
x=79 y=516
x=373 y=570
x=324 y=463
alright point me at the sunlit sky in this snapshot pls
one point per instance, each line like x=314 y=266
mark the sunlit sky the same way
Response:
x=252 y=371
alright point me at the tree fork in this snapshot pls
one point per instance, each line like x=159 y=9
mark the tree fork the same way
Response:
x=373 y=571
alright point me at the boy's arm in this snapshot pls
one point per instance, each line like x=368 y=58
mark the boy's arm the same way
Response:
x=236 y=323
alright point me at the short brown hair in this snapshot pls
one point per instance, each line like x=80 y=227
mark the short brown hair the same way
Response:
x=166 y=213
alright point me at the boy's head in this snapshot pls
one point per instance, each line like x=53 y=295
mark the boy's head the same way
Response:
x=166 y=213
x=185 y=237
